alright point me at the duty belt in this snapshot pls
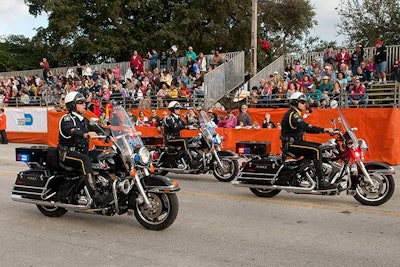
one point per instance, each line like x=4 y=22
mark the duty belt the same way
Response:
x=291 y=139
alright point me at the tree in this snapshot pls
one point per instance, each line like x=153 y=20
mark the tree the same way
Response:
x=366 y=21
x=19 y=53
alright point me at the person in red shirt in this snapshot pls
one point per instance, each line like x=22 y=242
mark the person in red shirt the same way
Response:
x=46 y=68
x=357 y=95
x=3 y=126
x=136 y=63
x=343 y=57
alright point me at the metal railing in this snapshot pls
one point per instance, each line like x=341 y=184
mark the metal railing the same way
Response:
x=393 y=53
x=223 y=79
x=277 y=65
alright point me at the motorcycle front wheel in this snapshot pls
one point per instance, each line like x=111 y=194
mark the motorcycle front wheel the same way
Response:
x=378 y=193
x=162 y=212
x=264 y=192
x=51 y=211
x=228 y=171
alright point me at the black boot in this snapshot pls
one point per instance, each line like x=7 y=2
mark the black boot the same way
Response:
x=325 y=185
x=99 y=199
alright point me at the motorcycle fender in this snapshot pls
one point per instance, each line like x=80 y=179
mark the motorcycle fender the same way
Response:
x=380 y=167
x=227 y=153
x=158 y=183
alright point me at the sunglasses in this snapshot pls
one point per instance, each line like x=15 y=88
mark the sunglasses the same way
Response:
x=80 y=102
x=302 y=102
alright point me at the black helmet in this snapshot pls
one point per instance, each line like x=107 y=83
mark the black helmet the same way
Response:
x=173 y=105
x=72 y=98
x=296 y=98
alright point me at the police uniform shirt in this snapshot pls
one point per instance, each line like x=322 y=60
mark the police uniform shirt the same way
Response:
x=72 y=128
x=173 y=125
x=294 y=126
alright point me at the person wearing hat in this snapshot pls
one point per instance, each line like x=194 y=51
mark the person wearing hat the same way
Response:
x=293 y=128
x=314 y=96
x=380 y=60
x=357 y=94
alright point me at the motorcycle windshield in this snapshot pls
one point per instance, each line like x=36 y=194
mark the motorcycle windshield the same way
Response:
x=207 y=125
x=124 y=132
x=347 y=127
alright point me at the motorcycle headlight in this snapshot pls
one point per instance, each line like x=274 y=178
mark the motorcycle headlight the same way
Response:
x=217 y=139
x=144 y=155
x=362 y=145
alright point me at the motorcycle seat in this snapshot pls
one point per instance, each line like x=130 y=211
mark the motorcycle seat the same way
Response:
x=290 y=154
x=65 y=167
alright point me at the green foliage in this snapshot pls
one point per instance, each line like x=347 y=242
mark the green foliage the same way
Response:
x=366 y=21
x=103 y=31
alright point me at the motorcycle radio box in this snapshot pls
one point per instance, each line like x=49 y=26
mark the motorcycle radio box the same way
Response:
x=31 y=154
x=260 y=148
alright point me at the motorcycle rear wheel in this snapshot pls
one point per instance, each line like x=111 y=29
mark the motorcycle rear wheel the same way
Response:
x=264 y=192
x=163 y=211
x=51 y=211
x=378 y=194
x=233 y=168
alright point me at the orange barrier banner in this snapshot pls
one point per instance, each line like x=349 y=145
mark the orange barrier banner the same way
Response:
x=377 y=126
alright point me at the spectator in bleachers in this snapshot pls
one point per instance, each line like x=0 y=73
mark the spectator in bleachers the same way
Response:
x=288 y=67
x=380 y=60
x=231 y=120
x=191 y=65
x=254 y=97
x=46 y=68
x=337 y=90
x=328 y=71
x=371 y=68
x=153 y=57
x=297 y=66
x=356 y=58
x=306 y=80
x=202 y=64
x=25 y=100
x=244 y=118
x=293 y=87
x=330 y=56
x=217 y=59
x=162 y=94
x=266 y=93
x=343 y=57
x=357 y=94
x=142 y=120
x=326 y=86
x=279 y=96
x=342 y=79
x=116 y=73
x=267 y=122
x=155 y=116
x=395 y=71
x=87 y=71
x=163 y=61
x=190 y=53
x=361 y=75
x=135 y=61
x=345 y=69
x=314 y=96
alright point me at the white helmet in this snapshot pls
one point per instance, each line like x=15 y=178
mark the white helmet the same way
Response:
x=72 y=98
x=296 y=98
x=173 y=105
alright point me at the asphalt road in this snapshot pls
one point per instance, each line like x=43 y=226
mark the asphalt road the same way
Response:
x=217 y=225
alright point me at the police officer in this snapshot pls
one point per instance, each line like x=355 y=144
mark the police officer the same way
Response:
x=73 y=141
x=173 y=124
x=293 y=129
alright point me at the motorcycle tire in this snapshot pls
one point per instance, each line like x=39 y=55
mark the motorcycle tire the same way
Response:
x=233 y=166
x=264 y=192
x=162 y=214
x=51 y=211
x=378 y=194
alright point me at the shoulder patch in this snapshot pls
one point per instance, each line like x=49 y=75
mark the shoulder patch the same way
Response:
x=67 y=118
x=295 y=115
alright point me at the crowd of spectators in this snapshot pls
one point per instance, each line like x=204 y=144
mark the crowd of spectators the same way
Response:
x=138 y=88
x=323 y=82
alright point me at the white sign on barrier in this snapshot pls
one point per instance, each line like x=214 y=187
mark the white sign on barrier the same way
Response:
x=27 y=119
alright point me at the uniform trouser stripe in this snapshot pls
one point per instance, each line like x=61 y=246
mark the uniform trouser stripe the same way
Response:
x=308 y=147
x=80 y=161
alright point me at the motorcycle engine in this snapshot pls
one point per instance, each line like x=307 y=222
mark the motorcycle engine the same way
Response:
x=331 y=169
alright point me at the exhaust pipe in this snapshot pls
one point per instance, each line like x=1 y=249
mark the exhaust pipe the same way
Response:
x=278 y=187
x=19 y=198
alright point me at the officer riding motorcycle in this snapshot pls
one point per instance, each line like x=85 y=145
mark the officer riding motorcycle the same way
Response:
x=292 y=131
x=73 y=143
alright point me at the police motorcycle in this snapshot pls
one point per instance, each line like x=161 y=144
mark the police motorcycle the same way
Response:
x=370 y=183
x=203 y=152
x=120 y=170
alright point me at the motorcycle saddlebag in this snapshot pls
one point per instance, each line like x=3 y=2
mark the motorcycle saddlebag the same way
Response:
x=261 y=170
x=31 y=183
